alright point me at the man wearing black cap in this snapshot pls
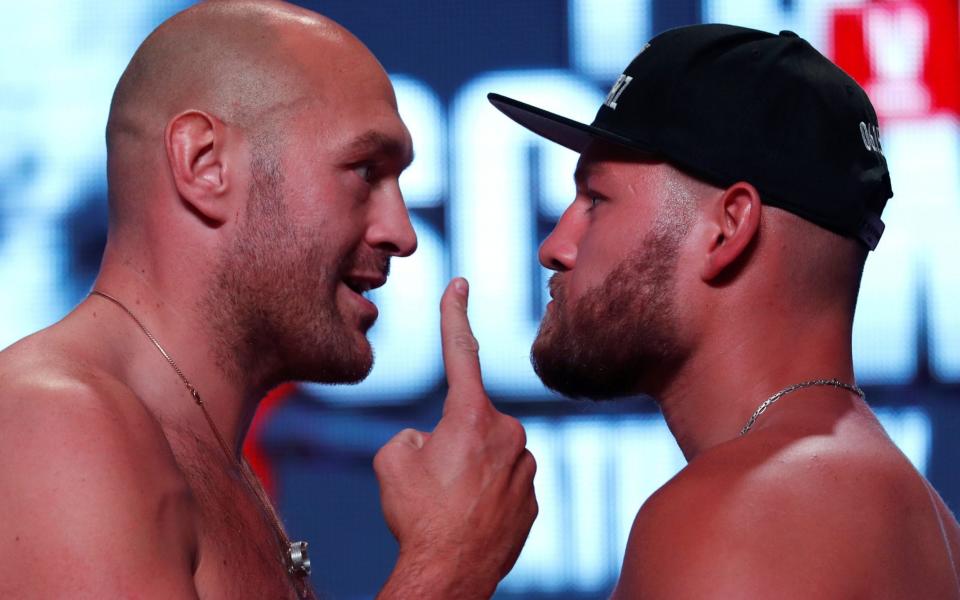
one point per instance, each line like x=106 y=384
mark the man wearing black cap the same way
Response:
x=727 y=195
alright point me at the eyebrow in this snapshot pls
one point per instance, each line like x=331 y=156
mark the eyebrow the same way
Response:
x=584 y=171
x=377 y=142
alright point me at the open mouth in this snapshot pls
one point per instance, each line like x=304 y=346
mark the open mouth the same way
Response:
x=361 y=284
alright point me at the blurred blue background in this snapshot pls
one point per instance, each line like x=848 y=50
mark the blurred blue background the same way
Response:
x=484 y=193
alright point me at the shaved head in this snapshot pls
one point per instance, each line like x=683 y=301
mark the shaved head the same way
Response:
x=825 y=268
x=232 y=59
x=246 y=63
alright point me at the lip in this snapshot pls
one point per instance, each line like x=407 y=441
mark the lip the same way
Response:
x=356 y=285
x=363 y=282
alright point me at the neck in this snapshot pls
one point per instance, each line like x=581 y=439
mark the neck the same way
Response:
x=716 y=390
x=172 y=316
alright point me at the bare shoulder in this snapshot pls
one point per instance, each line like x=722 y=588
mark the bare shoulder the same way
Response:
x=773 y=515
x=93 y=502
x=50 y=397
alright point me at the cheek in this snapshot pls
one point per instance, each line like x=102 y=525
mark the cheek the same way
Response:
x=687 y=282
x=331 y=232
x=598 y=254
x=325 y=194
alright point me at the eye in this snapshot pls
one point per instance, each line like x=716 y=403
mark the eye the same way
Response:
x=594 y=201
x=365 y=171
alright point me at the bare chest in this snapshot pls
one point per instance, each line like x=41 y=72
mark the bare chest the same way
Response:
x=239 y=554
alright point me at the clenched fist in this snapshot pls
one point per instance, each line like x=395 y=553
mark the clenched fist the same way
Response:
x=460 y=500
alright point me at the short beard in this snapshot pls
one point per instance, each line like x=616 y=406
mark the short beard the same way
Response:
x=620 y=338
x=272 y=306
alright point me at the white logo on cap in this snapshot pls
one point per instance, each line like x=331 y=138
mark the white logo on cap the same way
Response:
x=622 y=82
x=870 y=134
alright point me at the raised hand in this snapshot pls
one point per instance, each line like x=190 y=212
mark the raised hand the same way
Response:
x=460 y=500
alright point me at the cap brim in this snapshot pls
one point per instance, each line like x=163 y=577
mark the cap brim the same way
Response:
x=564 y=131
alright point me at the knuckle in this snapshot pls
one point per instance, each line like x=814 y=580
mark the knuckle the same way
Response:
x=515 y=432
x=466 y=342
x=477 y=418
x=379 y=460
x=531 y=461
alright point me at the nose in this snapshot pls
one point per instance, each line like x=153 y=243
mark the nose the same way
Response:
x=390 y=229
x=559 y=251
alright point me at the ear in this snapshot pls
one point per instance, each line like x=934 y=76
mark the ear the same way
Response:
x=196 y=152
x=733 y=220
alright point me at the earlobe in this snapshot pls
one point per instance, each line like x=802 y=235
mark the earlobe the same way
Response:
x=734 y=222
x=195 y=145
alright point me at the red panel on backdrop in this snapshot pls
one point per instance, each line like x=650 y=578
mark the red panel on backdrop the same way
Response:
x=252 y=445
x=905 y=53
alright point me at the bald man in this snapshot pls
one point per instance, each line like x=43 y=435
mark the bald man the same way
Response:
x=727 y=195
x=254 y=150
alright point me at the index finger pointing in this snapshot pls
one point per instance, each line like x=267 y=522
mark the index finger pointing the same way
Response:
x=460 y=348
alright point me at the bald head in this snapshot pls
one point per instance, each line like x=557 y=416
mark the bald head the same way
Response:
x=236 y=60
x=246 y=63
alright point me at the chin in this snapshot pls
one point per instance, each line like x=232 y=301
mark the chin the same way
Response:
x=341 y=373
x=353 y=368
x=573 y=366
x=347 y=360
x=357 y=371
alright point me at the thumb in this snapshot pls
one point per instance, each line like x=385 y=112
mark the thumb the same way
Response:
x=396 y=453
x=411 y=438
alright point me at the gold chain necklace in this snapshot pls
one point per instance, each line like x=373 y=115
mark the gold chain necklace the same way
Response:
x=295 y=555
x=798 y=386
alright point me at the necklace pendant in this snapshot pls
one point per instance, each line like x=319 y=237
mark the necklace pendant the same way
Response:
x=299 y=561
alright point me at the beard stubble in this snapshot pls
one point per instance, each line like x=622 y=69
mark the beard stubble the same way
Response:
x=620 y=338
x=273 y=303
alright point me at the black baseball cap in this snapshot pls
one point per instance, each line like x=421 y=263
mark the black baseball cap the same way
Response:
x=728 y=104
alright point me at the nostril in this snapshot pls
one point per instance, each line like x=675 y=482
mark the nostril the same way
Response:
x=557 y=256
x=391 y=249
x=410 y=249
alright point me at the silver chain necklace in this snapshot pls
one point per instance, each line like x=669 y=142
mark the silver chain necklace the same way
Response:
x=295 y=558
x=798 y=386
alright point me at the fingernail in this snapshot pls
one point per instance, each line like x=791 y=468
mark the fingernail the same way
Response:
x=461 y=286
